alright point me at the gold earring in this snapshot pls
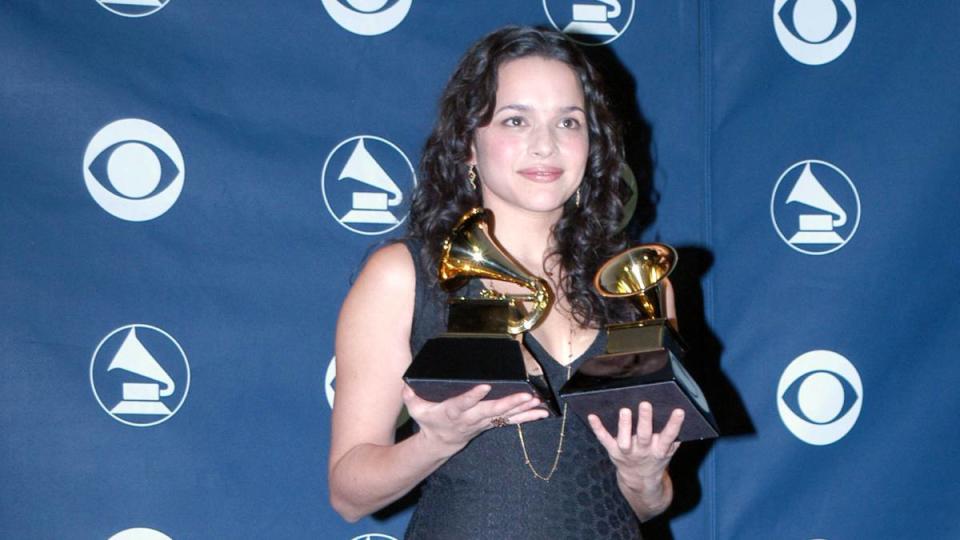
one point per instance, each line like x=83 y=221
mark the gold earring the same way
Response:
x=472 y=177
x=576 y=199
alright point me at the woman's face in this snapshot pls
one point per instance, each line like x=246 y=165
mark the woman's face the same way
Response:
x=533 y=154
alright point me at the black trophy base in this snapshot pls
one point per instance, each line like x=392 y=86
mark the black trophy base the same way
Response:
x=650 y=372
x=448 y=366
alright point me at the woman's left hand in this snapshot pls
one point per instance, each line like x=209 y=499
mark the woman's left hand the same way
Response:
x=641 y=458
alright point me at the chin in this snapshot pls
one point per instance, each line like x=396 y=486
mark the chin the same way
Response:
x=544 y=206
x=538 y=201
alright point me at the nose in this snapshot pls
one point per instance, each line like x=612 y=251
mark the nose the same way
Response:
x=542 y=142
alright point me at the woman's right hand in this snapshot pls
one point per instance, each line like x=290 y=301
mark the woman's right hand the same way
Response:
x=452 y=423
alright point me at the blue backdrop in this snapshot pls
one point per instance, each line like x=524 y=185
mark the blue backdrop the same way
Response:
x=189 y=187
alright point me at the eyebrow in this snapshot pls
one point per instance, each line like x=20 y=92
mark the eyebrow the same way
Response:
x=525 y=108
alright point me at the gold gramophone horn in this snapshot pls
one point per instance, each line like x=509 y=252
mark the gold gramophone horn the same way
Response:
x=471 y=252
x=638 y=273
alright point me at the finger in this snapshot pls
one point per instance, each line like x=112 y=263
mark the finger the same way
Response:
x=469 y=398
x=606 y=440
x=495 y=415
x=528 y=416
x=670 y=431
x=644 y=423
x=411 y=399
x=625 y=430
x=523 y=406
x=501 y=406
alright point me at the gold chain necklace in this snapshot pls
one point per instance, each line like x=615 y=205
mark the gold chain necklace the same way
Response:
x=490 y=292
x=563 y=426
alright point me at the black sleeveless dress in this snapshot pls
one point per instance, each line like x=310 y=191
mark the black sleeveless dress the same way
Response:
x=486 y=491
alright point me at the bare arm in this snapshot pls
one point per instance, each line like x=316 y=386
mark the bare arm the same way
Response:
x=368 y=469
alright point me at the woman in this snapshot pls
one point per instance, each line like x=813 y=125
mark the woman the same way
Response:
x=524 y=131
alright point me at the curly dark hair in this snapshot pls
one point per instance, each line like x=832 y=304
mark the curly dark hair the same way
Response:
x=586 y=235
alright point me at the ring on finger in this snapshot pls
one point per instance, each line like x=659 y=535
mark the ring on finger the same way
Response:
x=499 y=421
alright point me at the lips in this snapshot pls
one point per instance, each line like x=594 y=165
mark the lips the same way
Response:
x=541 y=174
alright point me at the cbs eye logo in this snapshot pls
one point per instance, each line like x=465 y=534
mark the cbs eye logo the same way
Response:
x=133 y=8
x=367 y=17
x=329 y=381
x=819 y=397
x=815 y=32
x=133 y=169
x=140 y=533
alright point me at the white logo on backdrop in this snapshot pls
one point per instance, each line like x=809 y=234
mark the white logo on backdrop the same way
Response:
x=133 y=8
x=367 y=17
x=140 y=533
x=359 y=191
x=133 y=155
x=815 y=207
x=815 y=32
x=139 y=375
x=328 y=380
x=590 y=22
x=819 y=397
x=373 y=536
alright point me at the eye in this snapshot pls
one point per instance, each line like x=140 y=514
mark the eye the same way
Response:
x=570 y=123
x=133 y=169
x=514 y=121
x=820 y=397
x=815 y=21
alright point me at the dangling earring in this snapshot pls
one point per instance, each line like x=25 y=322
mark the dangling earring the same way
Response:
x=576 y=199
x=472 y=177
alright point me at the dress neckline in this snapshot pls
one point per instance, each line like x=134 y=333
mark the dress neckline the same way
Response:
x=540 y=350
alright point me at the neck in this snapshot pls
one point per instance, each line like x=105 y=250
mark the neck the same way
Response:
x=526 y=236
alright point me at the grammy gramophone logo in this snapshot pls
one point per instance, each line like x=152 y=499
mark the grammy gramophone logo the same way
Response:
x=139 y=375
x=595 y=22
x=815 y=207
x=364 y=182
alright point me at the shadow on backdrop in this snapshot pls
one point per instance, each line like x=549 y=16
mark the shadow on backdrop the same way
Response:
x=705 y=348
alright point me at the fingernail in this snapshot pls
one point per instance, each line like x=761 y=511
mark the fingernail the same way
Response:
x=624 y=412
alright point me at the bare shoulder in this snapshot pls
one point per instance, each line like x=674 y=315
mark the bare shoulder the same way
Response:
x=381 y=301
x=390 y=266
